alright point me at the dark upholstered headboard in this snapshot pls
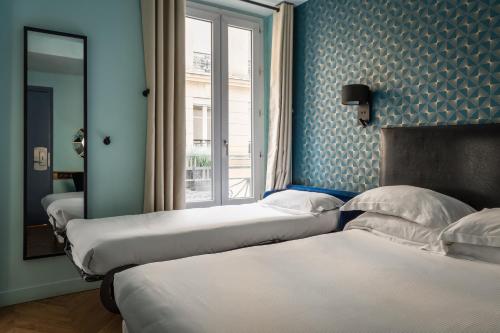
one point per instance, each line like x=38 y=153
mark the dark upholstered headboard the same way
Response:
x=461 y=161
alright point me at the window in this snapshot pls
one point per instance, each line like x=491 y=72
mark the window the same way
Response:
x=202 y=121
x=224 y=124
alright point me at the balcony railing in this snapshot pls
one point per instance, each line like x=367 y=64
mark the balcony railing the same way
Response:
x=202 y=62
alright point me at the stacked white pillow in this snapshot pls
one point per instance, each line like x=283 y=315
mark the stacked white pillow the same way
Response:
x=408 y=214
x=398 y=230
x=476 y=236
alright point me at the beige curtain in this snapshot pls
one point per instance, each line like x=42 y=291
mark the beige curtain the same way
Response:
x=279 y=169
x=163 y=26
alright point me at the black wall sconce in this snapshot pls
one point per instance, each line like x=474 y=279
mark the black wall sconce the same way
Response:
x=358 y=94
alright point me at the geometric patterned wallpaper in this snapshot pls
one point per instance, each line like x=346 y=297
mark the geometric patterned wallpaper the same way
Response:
x=426 y=62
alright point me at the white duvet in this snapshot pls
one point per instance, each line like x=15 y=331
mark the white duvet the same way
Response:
x=99 y=245
x=351 y=281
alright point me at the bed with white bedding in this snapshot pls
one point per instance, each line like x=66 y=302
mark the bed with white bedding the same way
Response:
x=352 y=281
x=98 y=246
x=391 y=270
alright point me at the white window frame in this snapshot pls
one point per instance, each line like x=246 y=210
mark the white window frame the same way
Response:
x=214 y=18
x=221 y=19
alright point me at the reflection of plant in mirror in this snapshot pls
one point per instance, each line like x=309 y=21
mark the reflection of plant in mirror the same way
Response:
x=199 y=157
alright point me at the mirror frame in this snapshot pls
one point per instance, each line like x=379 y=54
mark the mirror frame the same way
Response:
x=27 y=29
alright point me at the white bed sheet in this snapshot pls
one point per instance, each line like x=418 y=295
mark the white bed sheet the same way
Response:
x=351 y=281
x=124 y=327
x=99 y=245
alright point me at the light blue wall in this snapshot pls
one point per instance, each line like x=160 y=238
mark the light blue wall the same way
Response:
x=115 y=107
x=427 y=63
x=67 y=119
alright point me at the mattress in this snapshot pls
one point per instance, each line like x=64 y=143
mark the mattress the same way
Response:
x=100 y=245
x=352 y=281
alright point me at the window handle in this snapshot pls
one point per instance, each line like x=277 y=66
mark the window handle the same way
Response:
x=226 y=145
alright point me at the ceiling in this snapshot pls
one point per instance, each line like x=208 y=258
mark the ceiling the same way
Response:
x=240 y=5
x=55 y=64
x=53 y=53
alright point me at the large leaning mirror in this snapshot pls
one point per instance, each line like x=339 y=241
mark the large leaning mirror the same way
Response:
x=55 y=138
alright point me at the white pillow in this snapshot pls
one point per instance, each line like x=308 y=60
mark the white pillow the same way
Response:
x=481 y=228
x=304 y=201
x=419 y=205
x=475 y=252
x=398 y=230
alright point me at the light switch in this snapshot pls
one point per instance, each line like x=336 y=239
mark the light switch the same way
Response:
x=40 y=159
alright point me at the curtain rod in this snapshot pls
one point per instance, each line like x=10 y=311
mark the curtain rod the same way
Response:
x=261 y=5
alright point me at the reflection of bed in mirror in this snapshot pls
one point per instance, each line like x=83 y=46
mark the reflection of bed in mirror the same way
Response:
x=55 y=117
x=62 y=208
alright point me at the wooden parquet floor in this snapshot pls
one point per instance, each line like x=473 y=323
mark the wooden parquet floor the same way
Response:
x=74 y=313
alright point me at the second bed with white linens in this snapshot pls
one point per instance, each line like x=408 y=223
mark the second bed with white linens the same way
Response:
x=98 y=246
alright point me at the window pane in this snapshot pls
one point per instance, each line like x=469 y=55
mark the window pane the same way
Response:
x=199 y=166
x=240 y=113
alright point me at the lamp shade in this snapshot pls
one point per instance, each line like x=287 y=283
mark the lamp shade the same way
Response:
x=355 y=94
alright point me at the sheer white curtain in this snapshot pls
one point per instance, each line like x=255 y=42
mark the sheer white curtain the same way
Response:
x=279 y=157
x=163 y=24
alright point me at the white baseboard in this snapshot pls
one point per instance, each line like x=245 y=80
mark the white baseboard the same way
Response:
x=46 y=290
